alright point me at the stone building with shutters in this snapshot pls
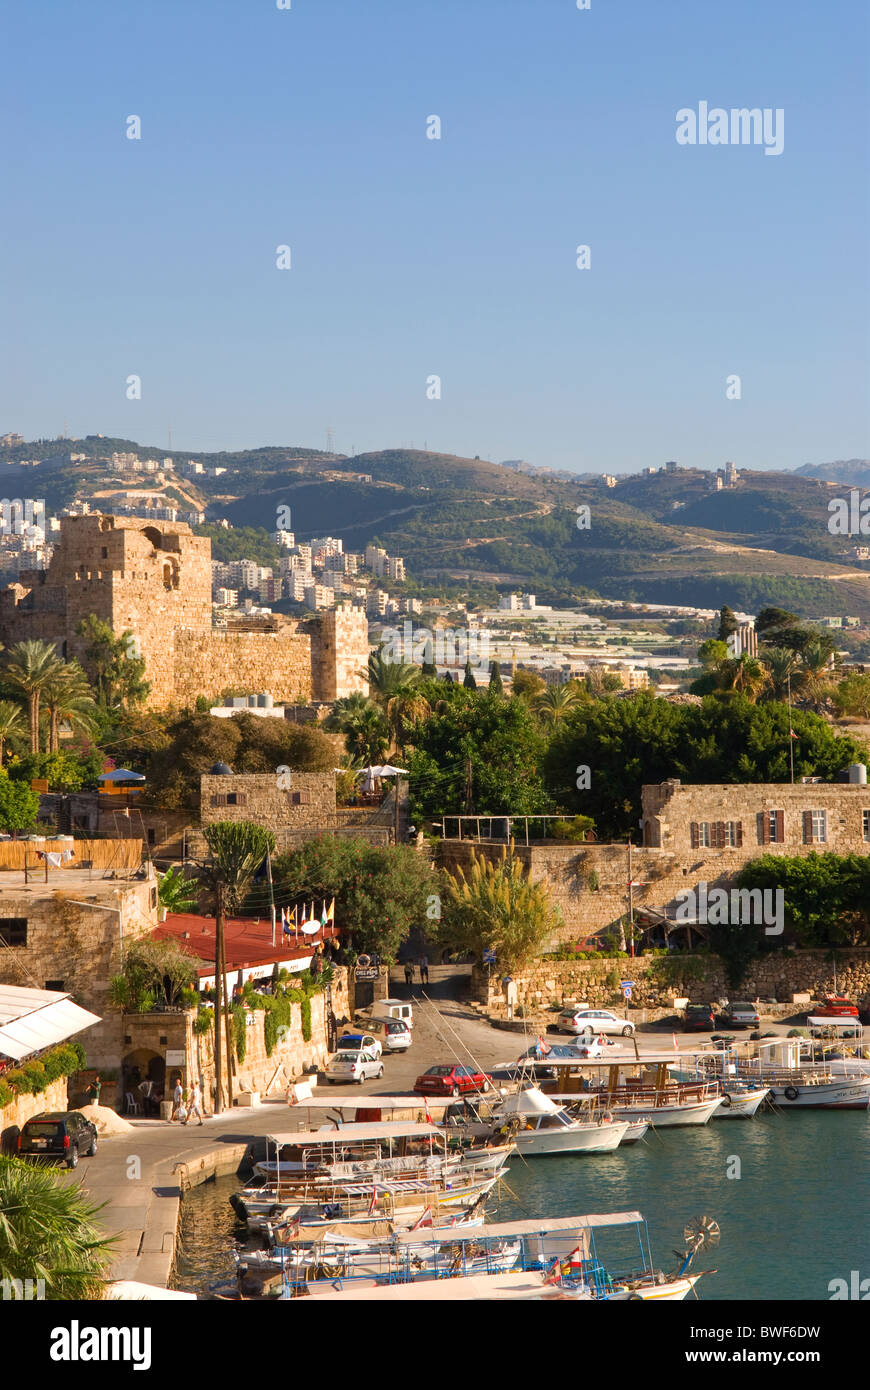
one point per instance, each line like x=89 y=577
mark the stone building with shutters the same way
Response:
x=758 y=817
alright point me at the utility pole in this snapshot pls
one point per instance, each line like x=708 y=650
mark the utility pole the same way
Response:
x=271 y=892
x=790 y=731
x=630 y=901
x=218 y=1001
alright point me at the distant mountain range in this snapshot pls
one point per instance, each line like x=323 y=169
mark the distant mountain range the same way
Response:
x=667 y=537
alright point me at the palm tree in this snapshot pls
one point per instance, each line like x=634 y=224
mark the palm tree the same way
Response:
x=784 y=673
x=365 y=728
x=67 y=695
x=236 y=851
x=819 y=664
x=30 y=666
x=556 y=701
x=175 y=891
x=47 y=1232
x=744 y=674
x=395 y=688
x=11 y=722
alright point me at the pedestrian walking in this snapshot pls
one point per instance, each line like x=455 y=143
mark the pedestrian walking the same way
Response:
x=424 y=970
x=194 y=1106
x=177 y=1101
x=409 y=973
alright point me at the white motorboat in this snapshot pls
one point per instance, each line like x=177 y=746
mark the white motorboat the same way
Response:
x=798 y=1082
x=547 y=1128
x=638 y=1089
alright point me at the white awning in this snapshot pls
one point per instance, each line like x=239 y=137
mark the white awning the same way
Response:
x=33 y=1019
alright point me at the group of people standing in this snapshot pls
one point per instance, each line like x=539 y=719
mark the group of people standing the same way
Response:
x=423 y=964
x=186 y=1105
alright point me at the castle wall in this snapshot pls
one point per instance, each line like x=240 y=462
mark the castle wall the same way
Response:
x=211 y=662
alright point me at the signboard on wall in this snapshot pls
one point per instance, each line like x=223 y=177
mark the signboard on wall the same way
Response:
x=175 y=1057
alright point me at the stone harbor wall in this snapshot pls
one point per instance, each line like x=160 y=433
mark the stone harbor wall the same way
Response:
x=661 y=979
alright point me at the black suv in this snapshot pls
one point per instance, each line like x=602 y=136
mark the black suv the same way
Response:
x=64 y=1134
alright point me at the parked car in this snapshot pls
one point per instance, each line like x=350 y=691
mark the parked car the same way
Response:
x=534 y=1063
x=392 y=1034
x=358 y=1042
x=393 y=1008
x=588 y=1023
x=353 y=1065
x=835 y=1006
x=699 y=1018
x=58 y=1134
x=740 y=1014
x=450 y=1080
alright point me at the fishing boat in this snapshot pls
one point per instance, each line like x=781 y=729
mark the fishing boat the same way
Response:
x=532 y=1259
x=334 y=1191
x=741 y=1099
x=639 y=1089
x=538 y=1126
x=799 y=1081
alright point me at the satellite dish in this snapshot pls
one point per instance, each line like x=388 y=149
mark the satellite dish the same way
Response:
x=702 y=1233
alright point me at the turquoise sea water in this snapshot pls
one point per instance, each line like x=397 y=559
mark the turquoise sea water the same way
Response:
x=797 y=1217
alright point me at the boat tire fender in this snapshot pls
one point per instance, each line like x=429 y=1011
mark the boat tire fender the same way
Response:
x=791 y=1093
x=726 y=1100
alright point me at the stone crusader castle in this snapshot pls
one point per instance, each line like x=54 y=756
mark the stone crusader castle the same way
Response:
x=153 y=579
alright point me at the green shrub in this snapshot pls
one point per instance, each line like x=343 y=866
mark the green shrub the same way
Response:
x=204 y=1022
x=240 y=1031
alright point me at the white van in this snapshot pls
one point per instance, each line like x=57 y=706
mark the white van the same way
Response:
x=393 y=1034
x=393 y=1008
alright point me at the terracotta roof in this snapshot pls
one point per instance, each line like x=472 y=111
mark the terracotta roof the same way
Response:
x=248 y=942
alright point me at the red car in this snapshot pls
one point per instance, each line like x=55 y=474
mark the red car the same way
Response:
x=836 y=1006
x=451 y=1081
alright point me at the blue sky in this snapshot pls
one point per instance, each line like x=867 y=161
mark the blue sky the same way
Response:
x=414 y=257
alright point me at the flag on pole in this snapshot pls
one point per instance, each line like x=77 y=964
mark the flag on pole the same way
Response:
x=554 y=1273
x=323 y=914
x=792 y=734
x=424 y=1219
x=429 y=1120
x=373 y=1203
x=676 y=1044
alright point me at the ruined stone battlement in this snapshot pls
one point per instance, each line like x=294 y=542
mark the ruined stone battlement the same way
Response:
x=152 y=579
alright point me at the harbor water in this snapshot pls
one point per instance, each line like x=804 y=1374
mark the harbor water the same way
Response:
x=789 y=1193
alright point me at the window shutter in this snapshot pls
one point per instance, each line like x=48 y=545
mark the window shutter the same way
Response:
x=763 y=828
x=719 y=838
x=241 y=798
x=739 y=835
x=808 y=827
x=780 y=826
x=696 y=839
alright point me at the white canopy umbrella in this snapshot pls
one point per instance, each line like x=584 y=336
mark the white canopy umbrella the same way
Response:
x=380 y=770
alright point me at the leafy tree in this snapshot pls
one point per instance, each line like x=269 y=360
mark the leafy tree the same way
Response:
x=176 y=892
x=478 y=742
x=30 y=666
x=712 y=652
x=365 y=729
x=67 y=696
x=497 y=907
x=381 y=892
x=770 y=619
x=852 y=696
x=528 y=684
x=826 y=897
x=155 y=972
x=19 y=806
x=117 y=672
x=65 y=771
x=236 y=849
x=195 y=742
x=48 y=1232
x=11 y=722
x=556 y=701
x=396 y=687
x=629 y=742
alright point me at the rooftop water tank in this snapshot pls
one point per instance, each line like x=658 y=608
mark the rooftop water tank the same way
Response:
x=858 y=773
x=265 y=702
